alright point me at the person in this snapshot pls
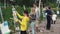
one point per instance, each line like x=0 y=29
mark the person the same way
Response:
x=54 y=17
x=37 y=11
x=33 y=18
x=24 y=22
x=49 y=15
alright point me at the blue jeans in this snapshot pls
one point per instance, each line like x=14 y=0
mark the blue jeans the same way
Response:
x=32 y=27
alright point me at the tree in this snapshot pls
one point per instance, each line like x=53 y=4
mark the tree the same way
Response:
x=24 y=2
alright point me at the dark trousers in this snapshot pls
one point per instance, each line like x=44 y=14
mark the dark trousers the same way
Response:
x=23 y=32
x=48 y=23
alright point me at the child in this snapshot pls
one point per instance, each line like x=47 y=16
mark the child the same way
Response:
x=54 y=17
x=23 y=23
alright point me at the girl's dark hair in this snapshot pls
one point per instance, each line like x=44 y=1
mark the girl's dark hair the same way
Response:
x=26 y=12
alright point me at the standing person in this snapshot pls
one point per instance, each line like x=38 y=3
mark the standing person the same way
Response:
x=33 y=18
x=23 y=23
x=49 y=15
x=37 y=11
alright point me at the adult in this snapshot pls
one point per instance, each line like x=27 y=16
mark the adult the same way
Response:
x=37 y=11
x=49 y=15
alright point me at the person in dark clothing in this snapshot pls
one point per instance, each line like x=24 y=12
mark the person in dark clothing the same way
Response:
x=49 y=15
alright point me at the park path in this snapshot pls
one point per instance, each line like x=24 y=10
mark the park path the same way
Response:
x=55 y=28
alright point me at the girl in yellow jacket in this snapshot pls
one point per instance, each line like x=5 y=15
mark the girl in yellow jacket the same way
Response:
x=25 y=19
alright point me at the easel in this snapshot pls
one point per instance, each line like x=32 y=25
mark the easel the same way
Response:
x=17 y=29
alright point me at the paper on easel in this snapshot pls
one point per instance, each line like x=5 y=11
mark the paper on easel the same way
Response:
x=57 y=12
x=45 y=13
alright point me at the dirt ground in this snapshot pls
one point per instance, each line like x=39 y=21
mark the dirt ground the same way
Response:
x=55 y=28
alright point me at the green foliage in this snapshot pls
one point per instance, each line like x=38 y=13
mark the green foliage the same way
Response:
x=20 y=2
x=24 y=2
x=1 y=4
x=7 y=14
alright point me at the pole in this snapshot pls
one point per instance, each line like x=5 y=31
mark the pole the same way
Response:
x=39 y=6
x=4 y=3
x=1 y=15
x=24 y=7
x=39 y=3
x=58 y=1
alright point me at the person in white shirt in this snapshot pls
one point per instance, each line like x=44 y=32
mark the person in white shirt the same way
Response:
x=54 y=17
x=37 y=11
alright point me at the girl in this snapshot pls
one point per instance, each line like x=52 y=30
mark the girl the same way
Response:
x=23 y=23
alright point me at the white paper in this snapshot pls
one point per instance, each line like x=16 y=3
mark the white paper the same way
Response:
x=57 y=12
